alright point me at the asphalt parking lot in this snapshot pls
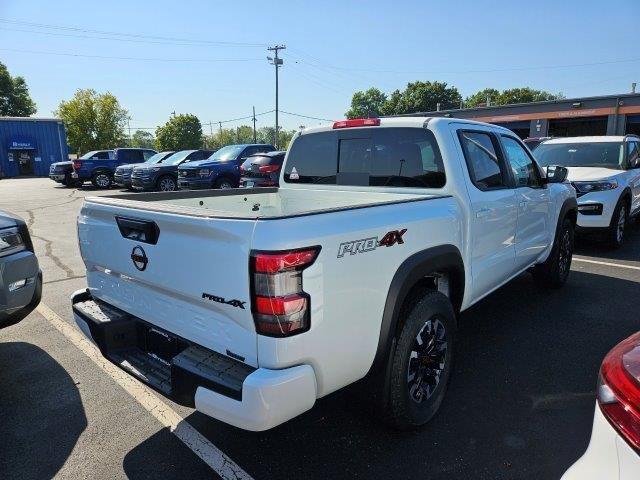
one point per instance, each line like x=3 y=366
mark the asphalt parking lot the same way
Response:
x=520 y=402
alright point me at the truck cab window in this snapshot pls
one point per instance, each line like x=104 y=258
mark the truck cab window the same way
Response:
x=525 y=172
x=485 y=168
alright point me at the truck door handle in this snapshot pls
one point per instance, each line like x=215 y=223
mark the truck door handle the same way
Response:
x=483 y=212
x=144 y=231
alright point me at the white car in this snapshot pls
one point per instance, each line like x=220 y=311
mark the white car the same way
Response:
x=250 y=304
x=614 y=450
x=605 y=172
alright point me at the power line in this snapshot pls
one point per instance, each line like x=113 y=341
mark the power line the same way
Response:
x=147 y=59
x=130 y=35
x=502 y=69
x=307 y=116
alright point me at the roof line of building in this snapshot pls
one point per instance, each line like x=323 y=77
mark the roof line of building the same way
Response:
x=527 y=104
x=32 y=119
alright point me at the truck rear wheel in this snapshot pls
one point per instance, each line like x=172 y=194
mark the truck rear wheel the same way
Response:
x=553 y=273
x=101 y=180
x=422 y=361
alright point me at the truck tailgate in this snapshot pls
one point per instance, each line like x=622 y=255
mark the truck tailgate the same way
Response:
x=192 y=280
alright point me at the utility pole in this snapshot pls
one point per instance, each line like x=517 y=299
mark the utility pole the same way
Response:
x=254 y=124
x=277 y=62
x=129 y=126
x=220 y=124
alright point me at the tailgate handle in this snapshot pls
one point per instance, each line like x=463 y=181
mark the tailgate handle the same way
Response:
x=144 y=231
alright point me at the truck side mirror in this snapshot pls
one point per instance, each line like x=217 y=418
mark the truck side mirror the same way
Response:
x=556 y=174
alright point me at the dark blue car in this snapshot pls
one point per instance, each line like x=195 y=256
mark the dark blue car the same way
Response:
x=100 y=166
x=220 y=170
x=163 y=176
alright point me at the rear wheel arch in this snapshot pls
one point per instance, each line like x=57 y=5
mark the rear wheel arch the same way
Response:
x=418 y=272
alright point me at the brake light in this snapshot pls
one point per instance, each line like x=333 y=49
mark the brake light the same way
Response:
x=357 y=122
x=280 y=305
x=77 y=165
x=269 y=168
x=619 y=389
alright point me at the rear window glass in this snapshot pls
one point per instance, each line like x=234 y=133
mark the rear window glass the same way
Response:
x=393 y=157
x=266 y=160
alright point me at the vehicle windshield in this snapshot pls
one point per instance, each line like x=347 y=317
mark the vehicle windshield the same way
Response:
x=229 y=152
x=177 y=157
x=596 y=154
x=157 y=158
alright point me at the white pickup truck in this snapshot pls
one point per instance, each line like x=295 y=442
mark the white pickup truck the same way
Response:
x=250 y=304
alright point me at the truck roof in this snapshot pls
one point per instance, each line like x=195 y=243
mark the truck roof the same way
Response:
x=403 y=121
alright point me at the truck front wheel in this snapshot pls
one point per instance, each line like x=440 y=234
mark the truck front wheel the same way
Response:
x=422 y=361
x=554 y=271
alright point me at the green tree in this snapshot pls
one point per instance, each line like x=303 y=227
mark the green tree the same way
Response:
x=369 y=103
x=479 y=99
x=14 y=95
x=265 y=135
x=142 y=139
x=526 y=95
x=181 y=132
x=424 y=97
x=93 y=120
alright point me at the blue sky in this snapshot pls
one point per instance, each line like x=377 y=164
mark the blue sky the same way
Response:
x=333 y=49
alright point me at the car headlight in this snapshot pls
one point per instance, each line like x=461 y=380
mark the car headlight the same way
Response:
x=11 y=242
x=154 y=169
x=204 y=172
x=599 y=186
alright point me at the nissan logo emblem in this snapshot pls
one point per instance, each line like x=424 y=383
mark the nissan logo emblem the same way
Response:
x=139 y=258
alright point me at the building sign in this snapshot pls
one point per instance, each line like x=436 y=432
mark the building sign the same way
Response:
x=21 y=143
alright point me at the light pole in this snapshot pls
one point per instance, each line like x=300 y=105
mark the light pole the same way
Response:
x=277 y=62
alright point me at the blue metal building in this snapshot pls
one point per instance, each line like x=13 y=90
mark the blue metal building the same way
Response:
x=28 y=146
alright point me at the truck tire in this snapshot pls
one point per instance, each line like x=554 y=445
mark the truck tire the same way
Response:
x=553 y=273
x=223 y=184
x=166 y=184
x=101 y=179
x=422 y=361
x=618 y=225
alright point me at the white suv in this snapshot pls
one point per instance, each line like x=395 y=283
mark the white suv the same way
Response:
x=605 y=172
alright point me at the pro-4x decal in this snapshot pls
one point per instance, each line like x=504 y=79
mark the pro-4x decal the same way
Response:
x=368 y=244
x=215 y=298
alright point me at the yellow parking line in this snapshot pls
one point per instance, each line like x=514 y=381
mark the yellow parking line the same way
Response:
x=194 y=440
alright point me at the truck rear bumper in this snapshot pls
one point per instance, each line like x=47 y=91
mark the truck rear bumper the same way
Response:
x=217 y=385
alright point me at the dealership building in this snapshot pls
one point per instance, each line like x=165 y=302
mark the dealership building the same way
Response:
x=605 y=115
x=28 y=146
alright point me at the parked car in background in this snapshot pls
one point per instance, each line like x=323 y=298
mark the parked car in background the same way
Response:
x=122 y=177
x=163 y=176
x=614 y=449
x=251 y=304
x=605 y=171
x=533 y=142
x=20 y=275
x=261 y=169
x=100 y=168
x=62 y=172
x=220 y=170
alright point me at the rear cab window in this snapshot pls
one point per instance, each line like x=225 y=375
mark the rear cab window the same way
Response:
x=382 y=157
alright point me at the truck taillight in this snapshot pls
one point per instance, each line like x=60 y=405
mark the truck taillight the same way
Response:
x=619 y=389
x=268 y=168
x=77 y=165
x=357 y=122
x=280 y=305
